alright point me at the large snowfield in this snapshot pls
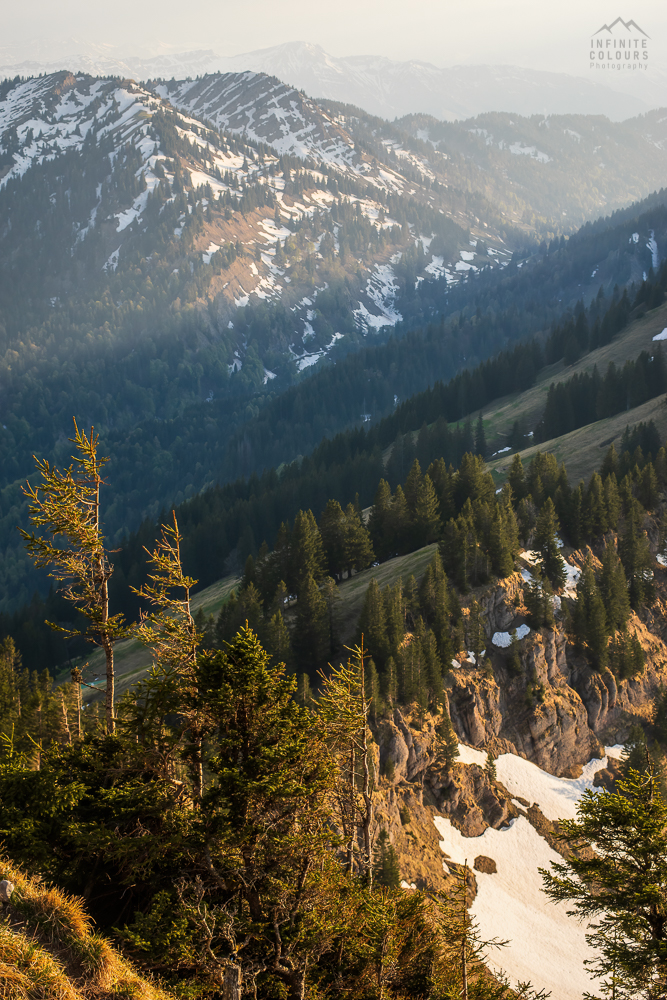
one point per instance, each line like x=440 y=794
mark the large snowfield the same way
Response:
x=544 y=944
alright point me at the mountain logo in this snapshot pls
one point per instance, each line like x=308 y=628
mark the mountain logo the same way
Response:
x=619 y=46
x=628 y=25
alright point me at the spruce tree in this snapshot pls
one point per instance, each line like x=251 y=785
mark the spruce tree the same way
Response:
x=386 y=869
x=473 y=481
x=412 y=486
x=614 y=589
x=514 y=657
x=394 y=614
x=358 y=549
x=589 y=620
x=647 y=488
x=372 y=624
x=306 y=551
x=447 y=744
x=401 y=522
x=480 y=437
x=333 y=530
x=516 y=479
x=278 y=640
x=379 y=524
x=425 y=518
x=502 y=561
x=525 y=516
x=610 y=463
x=635 y=752
x=389 y=682
x=575 y=517
x=475 y=635
x=612 y=501
x=332 y=598
x=442 y=479
x=636 y=558
x=595 y=508
x=310 y=639
x=546 y=543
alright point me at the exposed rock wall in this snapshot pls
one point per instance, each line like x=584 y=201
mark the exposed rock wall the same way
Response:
x=555 y=710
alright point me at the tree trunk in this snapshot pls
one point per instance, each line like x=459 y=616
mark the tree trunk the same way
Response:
x=78 y=710
x=296 y=984
x=464 y=936
x=66 y=729
x=111 y=722
x=353 y=814
x=366 y=789
x=232 y=983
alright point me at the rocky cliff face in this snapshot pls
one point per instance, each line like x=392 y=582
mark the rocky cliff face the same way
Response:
x=554 y=710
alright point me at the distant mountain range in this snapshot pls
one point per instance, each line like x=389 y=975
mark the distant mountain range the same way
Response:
x=382 y=86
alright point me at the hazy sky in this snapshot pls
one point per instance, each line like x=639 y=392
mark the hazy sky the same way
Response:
x=532 y=33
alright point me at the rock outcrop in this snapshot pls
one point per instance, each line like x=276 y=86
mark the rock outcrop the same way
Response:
x=555 y=710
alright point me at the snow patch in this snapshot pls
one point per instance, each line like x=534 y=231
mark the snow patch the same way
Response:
x=518 y=150
x=653 y=247
x=504 y=639
x=112 y=261
x=469 y=755
x=212 y=248
x=510 y=904
x=556 y=797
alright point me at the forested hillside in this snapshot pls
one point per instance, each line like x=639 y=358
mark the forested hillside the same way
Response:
x=237 y=434
x=173 y=272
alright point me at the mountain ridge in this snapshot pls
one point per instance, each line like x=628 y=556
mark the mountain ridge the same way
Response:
x=382 y=86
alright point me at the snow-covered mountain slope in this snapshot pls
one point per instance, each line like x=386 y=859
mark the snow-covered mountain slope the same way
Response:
x=263 y=109
x=385 y=87
x=115 y=173
x=510 y=904
x=43 y=118
x=236 y=189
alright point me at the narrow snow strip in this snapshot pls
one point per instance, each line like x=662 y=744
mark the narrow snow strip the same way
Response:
x=615 y=751
x=546 y=946
x=556 y=797
x=661 y=336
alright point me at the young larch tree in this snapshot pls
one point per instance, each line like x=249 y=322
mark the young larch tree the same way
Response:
x=65 y=507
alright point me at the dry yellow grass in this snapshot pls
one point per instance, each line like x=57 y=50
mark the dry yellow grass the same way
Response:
x=50 y=951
